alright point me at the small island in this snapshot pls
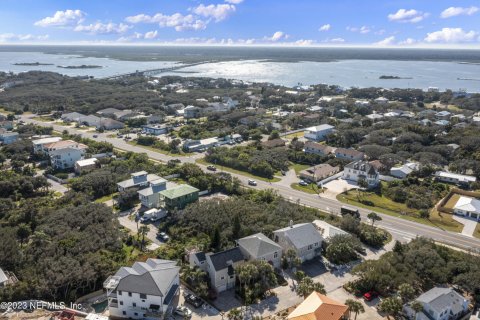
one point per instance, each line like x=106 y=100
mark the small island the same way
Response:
x=392 y=77
x=83 y=66
x=32 y=64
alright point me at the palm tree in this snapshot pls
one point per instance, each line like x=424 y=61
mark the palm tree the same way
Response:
x=306 y=286
x=143 y=230
x=391 y=306
x=406 y=292
x=416 y=306
x=235 y=314
x=354 y=307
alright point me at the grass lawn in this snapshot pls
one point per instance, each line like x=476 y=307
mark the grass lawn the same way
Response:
x=106 y=198
x=387 y=206
x=43 y=119
x=243 y=173
x=452 y=201
x=299 y=167
x=294 y=135
x=133 y=143
x=311 y=188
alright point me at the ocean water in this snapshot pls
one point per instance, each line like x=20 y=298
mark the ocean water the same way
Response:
x=347 y=67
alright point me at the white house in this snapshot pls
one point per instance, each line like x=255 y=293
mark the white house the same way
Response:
x=303 y=238
x=260 y=247
x=327 y=230
x=318 y=133
x=200 y=145
x=349 y=154
x=65 y=158
x=144 y=291
x=455 y=178
x=381 y=100
x=139 y=179
x=358 y=170
x=221 y=268
x=468 y=207
x=157 y=129
x=85 y=165
x=150 y=196
x=62 y=144
x=191 y=112
x=3 y=278
x=317 y=148
x=198 y=259
x=439 y=304
x=403 y=171
x=38 y=145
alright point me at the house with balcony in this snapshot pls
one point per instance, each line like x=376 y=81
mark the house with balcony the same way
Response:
x=150 y=196
x=259 y=247
x=303 y=238
x=39 y=144
x=178 y=197
x=65 y=158
x=145 y=290
x=140 y=179
x=361 y=170
x=317 y=148
x=221 y=268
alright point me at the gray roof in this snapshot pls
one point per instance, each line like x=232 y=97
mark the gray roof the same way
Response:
x=201 y=256
x=221 y=260
x=129 y=182
x=152 y=277
x=440 y=298
x=301 y=235
x=3 y=276
x=258 y=245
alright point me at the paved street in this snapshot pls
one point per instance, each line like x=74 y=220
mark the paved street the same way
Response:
x=400 y=229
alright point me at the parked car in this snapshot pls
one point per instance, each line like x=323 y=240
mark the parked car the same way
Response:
x=193 y=300
x=163 y=236
x=252 y=182
x=95 y=135
x=144 y=219
x=212 y=168
x=303 y=183
x=370 y=295
x=183 y=311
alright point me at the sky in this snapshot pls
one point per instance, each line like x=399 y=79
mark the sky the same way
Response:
x=384 y=23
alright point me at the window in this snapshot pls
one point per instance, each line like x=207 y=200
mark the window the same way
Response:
x=129 y=294
x=119 y=293
x=134 y=304
x=143 y=296
x=136 y=314
x=310 y=247
x=222 y=278
x=275 y=255
x=124 y=313
x=316 y=244
x=121 y=303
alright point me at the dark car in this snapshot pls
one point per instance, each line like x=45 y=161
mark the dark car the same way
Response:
x=212 y=168
x=193 y=300
x=370 y=295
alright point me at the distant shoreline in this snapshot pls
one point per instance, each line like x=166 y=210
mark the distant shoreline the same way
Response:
x=83 y=66
x=32 y=64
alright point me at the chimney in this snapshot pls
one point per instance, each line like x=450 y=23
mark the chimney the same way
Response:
x=291 y=224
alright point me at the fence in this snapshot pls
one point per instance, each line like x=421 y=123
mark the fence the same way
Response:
x=331 y=178
x=52 y=177
x=441 y=206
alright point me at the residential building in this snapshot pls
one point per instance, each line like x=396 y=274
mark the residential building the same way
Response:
x=381 y=100
x=319 y=172
x=200 y=145
x=157 y=129
x=198 y=259
x=90 y=121
x=150 y=196
x=467 y=207
x=3 y=278
x=48 y=148
x=144 y=291
x=318 y=133
x=442 y=122
x=374 y=116
x=192 y=112
x=39 y=144
x=303 y=238
x=319 y=307
x=65 y=158
x=317 y=148
x=115 y=113
x=455 y=178
x=109 y=124
x=8 y=137
x=443 y=115
x=349 y=154
x=260 y=247
x=178 y=197
x=221 y=268
x=439 y=304
x=72 y=117
x=403 y=171
x=327 y=230
x=359 y=170
x=85 y=165
x=139 y=180
x=6 y=124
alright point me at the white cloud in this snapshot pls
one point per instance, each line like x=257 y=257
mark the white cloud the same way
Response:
x=451 y=35
x=62 y=19
x=178 y=21
x=103 y=28
x=304 y=42
x=386 y=42
x=325 y=27
x=457 y=11
x=334 y=40
x=12 y=37
x=407 y=42
x=277 y=36
x=407 y=16
x=234 y=1
x=151 y=34
x=362 y=29
x=218 y=12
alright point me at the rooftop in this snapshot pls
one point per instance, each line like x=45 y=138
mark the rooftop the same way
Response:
x=258 y=245
x=327 y=230
x=321 y=127
x=224 y=259
x=181 y=190
x=86 y=162
x=467 y=204
x=301 y=235
x=318 y=307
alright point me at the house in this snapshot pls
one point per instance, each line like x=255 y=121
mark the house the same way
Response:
x=455 y=178
x=139 y=180
x=274 y=143
x=439 y=304
x=6 y=124
x=48 y=148
x=65 y=158
x=115 y=113
x=318 y=133
x=443 y=115
x=90 y=121
x=150 y=196
x=359 y=170
x=198 y=259
x=403 y=171
x=85 y=165
x=425 y=122
x=362 y=103
x=3 y=278
x=200 y=145
x=374 y=116
x=144 y=291
x=109 y=124
x=8 y=137
x=260 y=247
x=157 y=129
x=467 y=207
x=317 y=148
x=39 y=144
x=178 y=197
x=349 y=154
x=315 y=108
x=319 y=172
x=192 y=112
x=303 y=238
x=381 y=100
x=72 y=117
x=221 y=268
x=319 y=307
x=327 y=230
x=442 y=122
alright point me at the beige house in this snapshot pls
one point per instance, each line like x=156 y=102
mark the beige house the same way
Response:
x=318 y=172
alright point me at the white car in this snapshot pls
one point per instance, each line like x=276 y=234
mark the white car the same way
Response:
x=183 y=311
x=302 y=183
x=252 y=182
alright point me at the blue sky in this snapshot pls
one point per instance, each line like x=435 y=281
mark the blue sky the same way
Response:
x=252 y=22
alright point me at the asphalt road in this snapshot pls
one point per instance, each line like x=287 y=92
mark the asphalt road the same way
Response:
x=401 y=229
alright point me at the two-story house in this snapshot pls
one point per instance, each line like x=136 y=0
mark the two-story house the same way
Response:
x=65 y=158
x=39 y=144
x=317 y=148
x=318 y=133
x=221 y=268
x=260 y=247
x=150 y=196
x=8 y=137
x=178 y=197
x=140 y=179
x=303 y=238
x=349 y=154
x=358 y=170
x=144 y=291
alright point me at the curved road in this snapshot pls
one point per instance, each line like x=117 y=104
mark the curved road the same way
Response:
x=400 y=229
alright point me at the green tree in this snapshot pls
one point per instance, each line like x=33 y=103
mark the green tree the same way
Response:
x=143 y=231
x=343 y=248
x=354 y=307
x=235 y=314
x=306 y=286
x=373 y=216
x=216 y=240
x=416 y=306
x=274 y=135
x=23 y=232
x=406 y=292
x=391 y=306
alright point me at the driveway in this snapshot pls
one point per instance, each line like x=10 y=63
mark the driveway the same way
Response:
x=197 y=313
x=469 y=225
x=132 y=226
x=289 y=178
x=337 y=186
